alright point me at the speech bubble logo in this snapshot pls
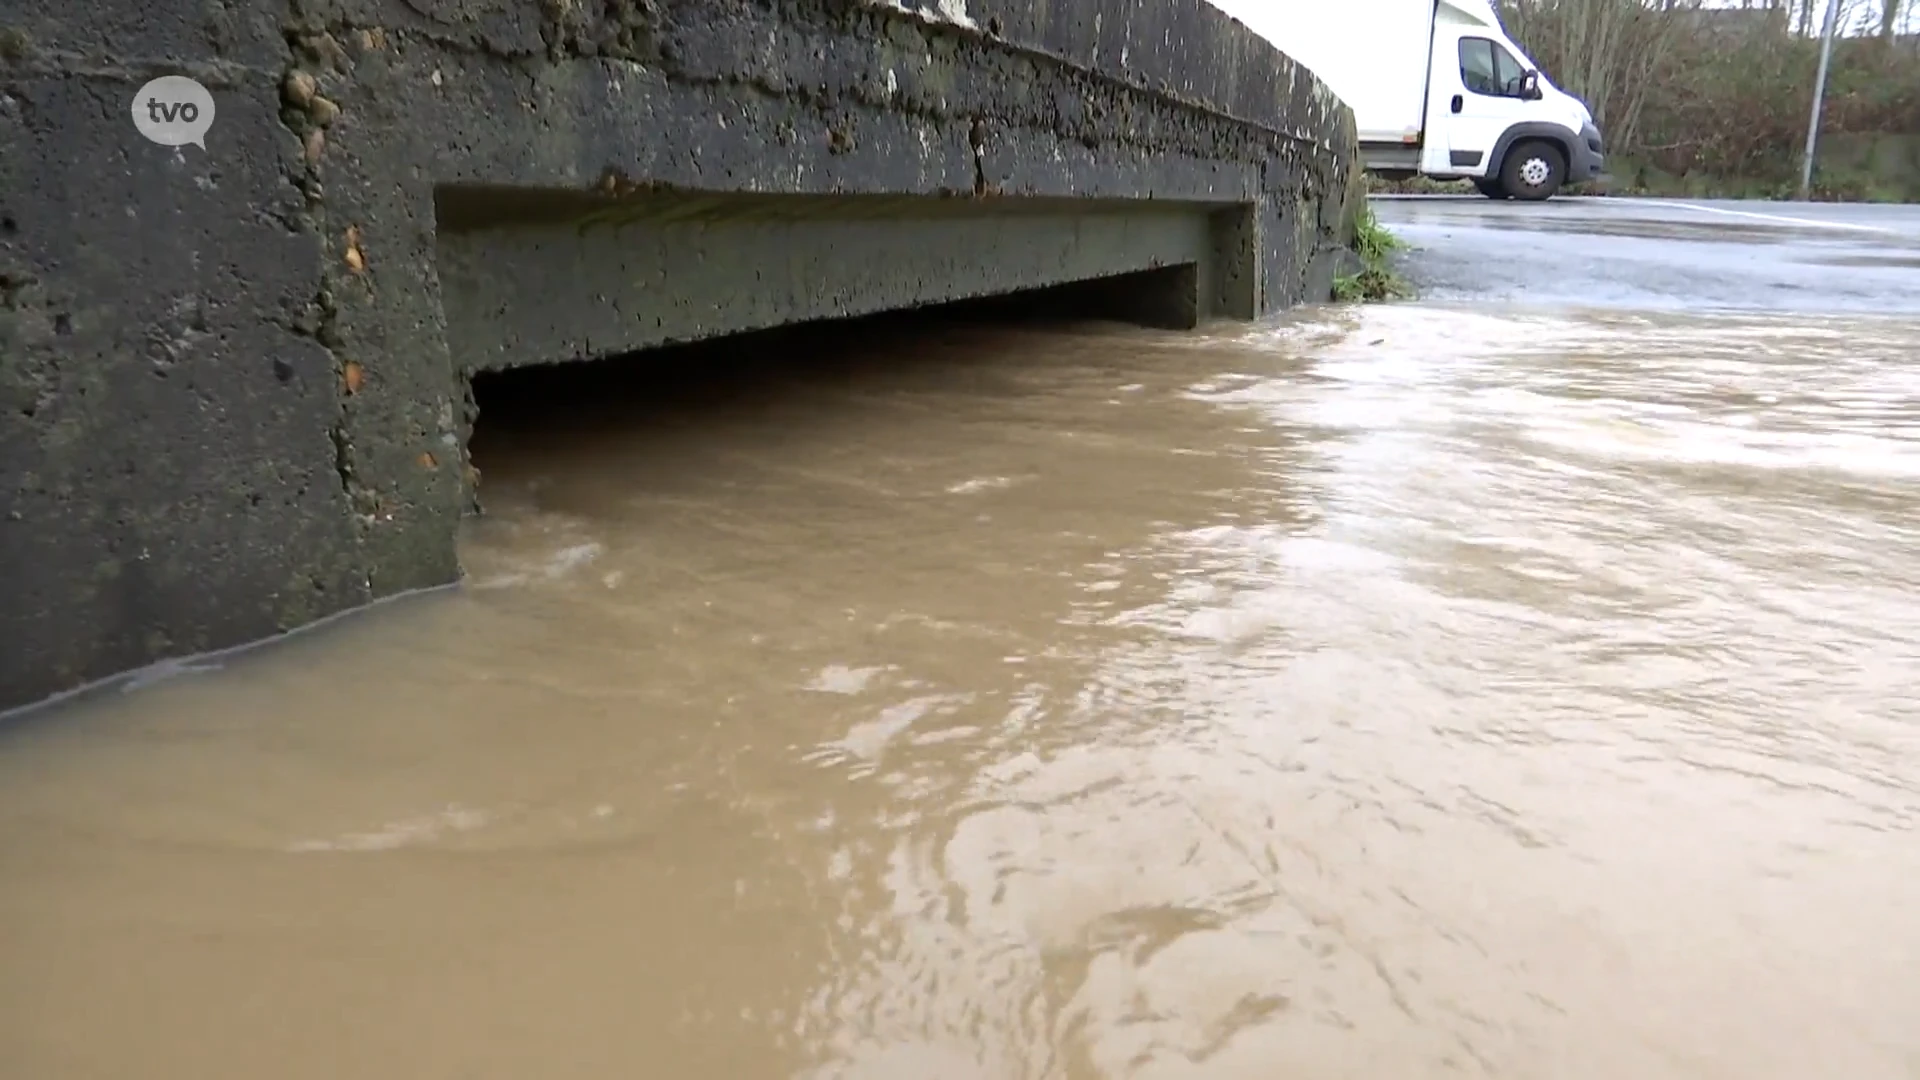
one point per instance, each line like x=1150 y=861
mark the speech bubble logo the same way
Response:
x=173 y=110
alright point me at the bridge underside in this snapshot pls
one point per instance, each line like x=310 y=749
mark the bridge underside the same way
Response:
x=234 y=383
x=527 y=279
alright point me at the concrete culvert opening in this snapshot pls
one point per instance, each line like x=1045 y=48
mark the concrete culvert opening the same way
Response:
x=715 y=389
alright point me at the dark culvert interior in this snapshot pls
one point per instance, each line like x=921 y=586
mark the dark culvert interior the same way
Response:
x=742 y=378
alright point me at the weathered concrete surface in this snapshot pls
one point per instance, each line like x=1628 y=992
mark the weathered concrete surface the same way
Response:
x=528 y=294
x=233 y=384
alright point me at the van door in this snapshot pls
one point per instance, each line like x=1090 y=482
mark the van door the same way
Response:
x=1476 y=97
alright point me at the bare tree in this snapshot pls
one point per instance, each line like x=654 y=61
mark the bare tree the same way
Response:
x=1607 y=52
x=1889 y=17
x=1716 y=88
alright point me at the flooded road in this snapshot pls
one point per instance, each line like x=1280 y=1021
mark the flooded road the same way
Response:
x=1433 y=689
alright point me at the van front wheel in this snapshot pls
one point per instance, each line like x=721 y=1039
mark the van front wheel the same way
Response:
x=1533 y=171
x=1492 y=189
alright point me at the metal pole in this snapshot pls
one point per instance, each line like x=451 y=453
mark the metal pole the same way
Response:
x=1819 y=95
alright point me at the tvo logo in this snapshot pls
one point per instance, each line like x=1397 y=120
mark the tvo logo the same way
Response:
x=173 y=110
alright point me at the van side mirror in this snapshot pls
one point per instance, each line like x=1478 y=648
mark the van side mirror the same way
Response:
x=1530 y=86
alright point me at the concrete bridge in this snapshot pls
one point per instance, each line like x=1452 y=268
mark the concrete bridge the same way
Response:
x=234 y=383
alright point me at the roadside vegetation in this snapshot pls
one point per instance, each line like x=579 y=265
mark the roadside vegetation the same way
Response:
x=1376 y=280
x=1703 y=100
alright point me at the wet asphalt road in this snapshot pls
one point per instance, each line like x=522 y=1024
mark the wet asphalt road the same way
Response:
x=1657 y=254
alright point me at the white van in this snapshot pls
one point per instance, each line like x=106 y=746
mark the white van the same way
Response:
x=1437 y=89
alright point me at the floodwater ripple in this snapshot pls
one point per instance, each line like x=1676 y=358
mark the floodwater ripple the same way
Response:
x=1390 y=692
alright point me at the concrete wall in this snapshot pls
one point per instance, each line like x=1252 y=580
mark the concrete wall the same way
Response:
x=233 y=383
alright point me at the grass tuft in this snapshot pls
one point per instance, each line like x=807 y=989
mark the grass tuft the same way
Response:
x=1376 y=281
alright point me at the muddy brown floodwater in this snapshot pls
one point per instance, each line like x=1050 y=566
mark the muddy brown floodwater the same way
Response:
x=1397 y=693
